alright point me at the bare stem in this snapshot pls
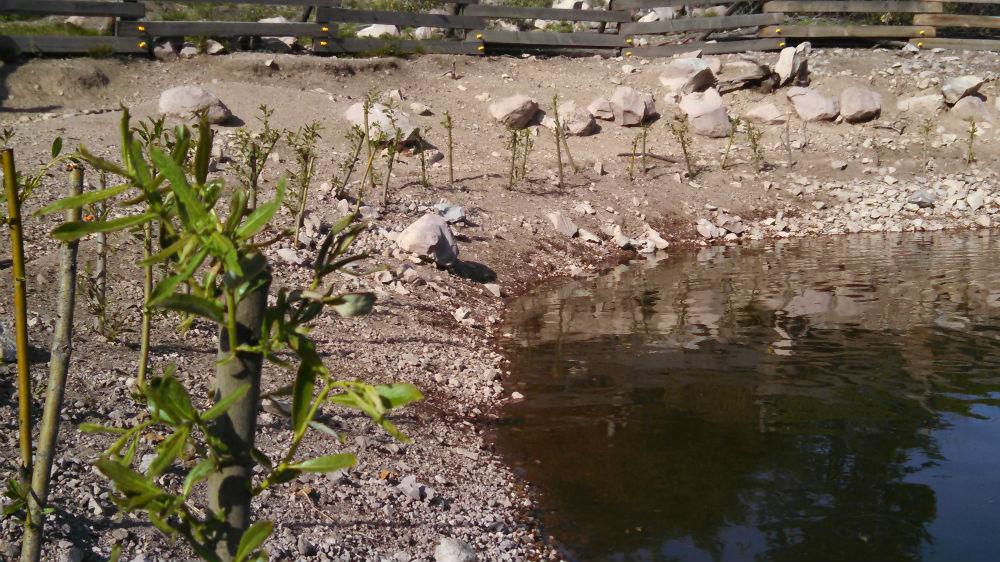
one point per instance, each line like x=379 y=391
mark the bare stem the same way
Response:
x=20 y=312
x=147 y=313
x=62 y=349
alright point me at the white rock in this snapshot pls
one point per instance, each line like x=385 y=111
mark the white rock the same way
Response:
x=957 y=88
x=380 y=118
x=600 y=108
x=430 y=236
x=515 y=111
x=706 y=113
x=186 y=101
x=976 y=200
x=971 y=107
x=921 y=104
x=213 y=47
x=984 y=221
x=577 y=120
x=562 y=224
x=793 y=63
x=768 y=114
x=631 y=107
x=688 y=75
x=860 y=104
x=810 y=105
x=658 y=242
x=379 y=30
x=278 y=44
x=425 y=33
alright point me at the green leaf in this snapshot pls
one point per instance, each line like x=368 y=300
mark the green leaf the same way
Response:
x=166 y=286
x=252 y=539
x=170 y=250
x=200 y=472
x=193 y=304
x=70 y=231
x=56 y=146
x=88 y=427
x=398 y=394
x=302 y=391
x=323 y=428
x=167 y=452
x=262 y=215
x=353 y=304
x=203 y=151
x=192 y=213
x=126 y=479
x=137 y=163
x=222 y=405
x=102 y=165
x=168 y=399
x=77 y=201
x=326 y=463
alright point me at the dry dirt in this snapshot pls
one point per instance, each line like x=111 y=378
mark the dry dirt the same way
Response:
x=413 y=335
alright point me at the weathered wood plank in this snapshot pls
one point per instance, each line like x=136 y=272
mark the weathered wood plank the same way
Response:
x=220 y=28
x=68 y=44
x=851 y=6
x=554 y=39
x=637 y=4
x=403 y=19
x=73 y=8
x=854 y=31
x=331 y=3
x=956 y=20
x=957 y=44
x=383 y=46
x=701 y=24
x=547 y=14
x=719 y=48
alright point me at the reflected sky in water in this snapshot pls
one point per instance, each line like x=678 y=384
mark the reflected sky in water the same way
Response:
x=808 y=400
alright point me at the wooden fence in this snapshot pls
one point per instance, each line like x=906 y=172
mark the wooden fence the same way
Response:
x=470 y=28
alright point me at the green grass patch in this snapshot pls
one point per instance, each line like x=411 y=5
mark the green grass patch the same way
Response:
x=43 y=27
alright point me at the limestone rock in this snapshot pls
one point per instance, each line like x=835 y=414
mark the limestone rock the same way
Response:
x=810 y=105
x=278 y=44
x=430 y=236
x=860 y=104
x=793 y=64
x=425 y=33
x=381 y=117
x=767 y=114
x=600 y=108
x=562 y=224
x=378 y=30
x=957 y=88
x=972 y=107
x=921 y=104
x=515 y=111
x=165 y=51
x=454 y=550
x=631 y=107
x=576 y=120
x=186 y=101
x=687 y=75
x=706 y=113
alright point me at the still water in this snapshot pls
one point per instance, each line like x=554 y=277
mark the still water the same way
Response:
x=811 y=400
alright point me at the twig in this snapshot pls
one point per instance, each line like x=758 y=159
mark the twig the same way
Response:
x=649 y=155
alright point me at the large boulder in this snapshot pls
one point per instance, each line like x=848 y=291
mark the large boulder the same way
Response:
x=930 y=103
x=860 y=104
x=600 y=108
x=706 y=113
x=972 y=108
x=380 y=118
x=454 y=550
x=631 y=107
x=793 y=64
x=687 y=75
x=186 y=102
x=431 y=237
x=767 y=114
x=957 y=88
x=810 y=105
x=378 y=30
x=516 y=112
x=576 y=120
x=278 y=44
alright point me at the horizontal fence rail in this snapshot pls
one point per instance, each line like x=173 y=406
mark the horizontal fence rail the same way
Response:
x=627 y=27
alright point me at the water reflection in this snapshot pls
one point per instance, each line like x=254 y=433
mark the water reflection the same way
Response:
x=797 y=402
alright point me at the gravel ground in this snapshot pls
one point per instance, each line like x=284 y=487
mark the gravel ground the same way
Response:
x=437 y=327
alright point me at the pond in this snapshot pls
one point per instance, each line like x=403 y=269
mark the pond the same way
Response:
x=825 y=399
